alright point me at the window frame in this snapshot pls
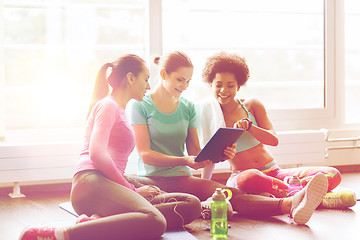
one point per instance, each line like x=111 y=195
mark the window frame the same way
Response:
x=2 y=77
x=332 y=115
x=329 y=116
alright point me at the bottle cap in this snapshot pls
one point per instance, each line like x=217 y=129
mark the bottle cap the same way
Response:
x=218 y=195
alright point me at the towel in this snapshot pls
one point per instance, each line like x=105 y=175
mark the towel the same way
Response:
x=210 y=117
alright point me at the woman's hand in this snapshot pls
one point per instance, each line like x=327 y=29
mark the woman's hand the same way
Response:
x=190 y=161
x=230 y=152
x=244 y=123
x=149 y=191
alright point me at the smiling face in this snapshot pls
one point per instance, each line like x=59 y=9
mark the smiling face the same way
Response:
x=224 y=87
x=178 y=81
x=140 y=84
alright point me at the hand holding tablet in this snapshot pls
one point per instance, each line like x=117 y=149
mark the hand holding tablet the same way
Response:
x=214 y=148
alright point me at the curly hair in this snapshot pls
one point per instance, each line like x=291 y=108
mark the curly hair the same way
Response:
x=226 y=62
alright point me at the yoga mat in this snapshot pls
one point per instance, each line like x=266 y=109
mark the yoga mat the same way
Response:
x=68 y=207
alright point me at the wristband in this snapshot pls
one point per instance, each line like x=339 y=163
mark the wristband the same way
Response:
x=249 y=123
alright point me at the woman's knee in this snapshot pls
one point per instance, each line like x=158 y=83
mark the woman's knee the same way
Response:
x=158 y=224
x=194 y=208
x=149 y=224
x=250 y=176
x=334 y=177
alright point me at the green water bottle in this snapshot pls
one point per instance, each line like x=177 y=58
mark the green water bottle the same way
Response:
x=219 y=223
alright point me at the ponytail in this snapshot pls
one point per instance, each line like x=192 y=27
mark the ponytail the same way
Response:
x=120 y=68
x=101 y=88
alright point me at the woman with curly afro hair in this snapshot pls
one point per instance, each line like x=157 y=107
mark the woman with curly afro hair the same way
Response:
x=254 y=169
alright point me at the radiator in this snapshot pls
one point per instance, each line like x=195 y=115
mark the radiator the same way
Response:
x=36 y=162
x=297 y=148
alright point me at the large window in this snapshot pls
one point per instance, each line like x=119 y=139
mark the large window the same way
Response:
x=282 y=40
x=51 y=50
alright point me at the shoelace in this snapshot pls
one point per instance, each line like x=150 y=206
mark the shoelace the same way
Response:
x=332 y=200
x=47 y=231
x=206 y=214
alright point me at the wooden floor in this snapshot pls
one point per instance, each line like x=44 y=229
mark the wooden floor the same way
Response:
x=40 y=206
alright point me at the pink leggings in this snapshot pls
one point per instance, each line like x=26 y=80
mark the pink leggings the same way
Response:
x=270 y=178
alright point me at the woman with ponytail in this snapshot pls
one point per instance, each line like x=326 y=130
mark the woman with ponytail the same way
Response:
x=117 y=209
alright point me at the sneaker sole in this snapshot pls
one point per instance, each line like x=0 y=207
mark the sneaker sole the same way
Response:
x=315 y=193
x=354 y=201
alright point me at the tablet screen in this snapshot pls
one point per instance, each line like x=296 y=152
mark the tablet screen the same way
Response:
x=214 y=148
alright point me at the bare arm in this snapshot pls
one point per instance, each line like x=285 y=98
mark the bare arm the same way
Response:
x=264 y=132
x=192 y=142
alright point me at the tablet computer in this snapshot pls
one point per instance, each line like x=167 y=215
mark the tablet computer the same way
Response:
x=214 y=148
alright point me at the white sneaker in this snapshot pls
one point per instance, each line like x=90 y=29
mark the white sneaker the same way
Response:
x=308 y=199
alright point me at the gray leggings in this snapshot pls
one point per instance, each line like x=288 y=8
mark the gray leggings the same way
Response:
x=245 y=204
x=124 y=213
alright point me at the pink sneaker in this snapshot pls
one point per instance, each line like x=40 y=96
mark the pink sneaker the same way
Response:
x=36 y=233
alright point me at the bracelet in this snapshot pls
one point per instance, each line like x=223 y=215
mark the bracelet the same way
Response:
x=249 y=121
